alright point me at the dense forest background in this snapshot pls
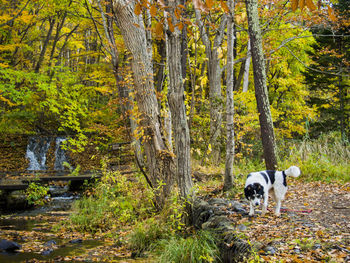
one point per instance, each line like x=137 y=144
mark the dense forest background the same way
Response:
x=198 y=87
x=176 y=77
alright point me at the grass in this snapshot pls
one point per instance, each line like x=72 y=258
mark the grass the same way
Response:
x=198 y=248
x=325 y=159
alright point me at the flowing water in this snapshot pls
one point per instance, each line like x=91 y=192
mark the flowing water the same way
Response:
x=33 y=228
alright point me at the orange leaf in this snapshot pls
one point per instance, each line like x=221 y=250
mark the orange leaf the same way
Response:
x=301 y=4
x=331 y=14
x=137 y=9
x=225 y=7
x=210 y=4
x=177 y=13
x=159 y=29
x=180 y=26
x=153 y=11
x=310 y=4
x=295 y=4
x=170 y=25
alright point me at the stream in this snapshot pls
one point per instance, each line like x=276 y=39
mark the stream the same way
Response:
x=32 y=229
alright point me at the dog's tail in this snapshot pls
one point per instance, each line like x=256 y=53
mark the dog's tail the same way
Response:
x=292 y=171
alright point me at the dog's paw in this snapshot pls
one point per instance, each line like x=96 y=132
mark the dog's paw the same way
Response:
x=251 y=214
x=278 y=214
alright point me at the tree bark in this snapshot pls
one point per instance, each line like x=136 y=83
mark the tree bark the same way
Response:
x=214 y=76
x=230 y=140
x=160 y=161
x=177 y=108
x=261 y=94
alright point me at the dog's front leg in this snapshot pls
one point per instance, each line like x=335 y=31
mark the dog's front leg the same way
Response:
x=278 y=207
x=251 y=210
x=266 y=201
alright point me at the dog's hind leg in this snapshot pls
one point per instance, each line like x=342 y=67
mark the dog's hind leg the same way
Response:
x=278 y=207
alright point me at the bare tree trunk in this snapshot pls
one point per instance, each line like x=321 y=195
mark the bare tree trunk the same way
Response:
x=230 y=140
x=261 y=94
x=214 y=75
x=246 y=69
x=160 y=162
x=178 y=110
x=46 y=43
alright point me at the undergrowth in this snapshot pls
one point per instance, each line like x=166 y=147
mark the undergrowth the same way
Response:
x=113 y=201
x=197 y=248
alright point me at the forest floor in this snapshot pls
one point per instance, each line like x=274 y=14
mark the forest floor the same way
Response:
x=314 y=225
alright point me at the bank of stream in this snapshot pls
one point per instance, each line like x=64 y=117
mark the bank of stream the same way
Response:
x=34 y=231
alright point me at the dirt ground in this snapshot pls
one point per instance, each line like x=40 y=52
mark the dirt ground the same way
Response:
x=314 y=225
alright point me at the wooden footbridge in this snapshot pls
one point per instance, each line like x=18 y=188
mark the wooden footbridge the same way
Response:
x=20 y=180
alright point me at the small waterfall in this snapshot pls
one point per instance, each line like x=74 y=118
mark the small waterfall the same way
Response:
x=60 y=155
x=36 y=152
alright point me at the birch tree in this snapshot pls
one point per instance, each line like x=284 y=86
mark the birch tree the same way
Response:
x=230 y=141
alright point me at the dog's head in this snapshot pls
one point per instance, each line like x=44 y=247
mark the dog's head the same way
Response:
x=254 y=193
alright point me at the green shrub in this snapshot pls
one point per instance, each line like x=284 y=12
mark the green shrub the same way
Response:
x=200 y=247
x=114 y=200
x=35 y=194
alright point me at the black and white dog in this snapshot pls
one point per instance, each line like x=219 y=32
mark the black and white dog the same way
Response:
x=259 y=184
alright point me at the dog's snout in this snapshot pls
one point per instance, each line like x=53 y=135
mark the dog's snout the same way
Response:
x=256 y=203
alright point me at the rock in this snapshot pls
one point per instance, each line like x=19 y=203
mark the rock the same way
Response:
x=6 y=245
x=220 y=223
x=241 y=227
x=76 y=241
x=269 y=250
x=218 y=202
x=50 y=243
x=317 y=246
x=211 y=216
x=296 y=250
x=237 y=207
x=47 y=252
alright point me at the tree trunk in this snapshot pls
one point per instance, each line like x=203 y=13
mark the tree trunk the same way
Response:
x=261 y=94
x=214 y=76
x=160 y=162
x=46 y=43
x=178 y=110
x=230 y=141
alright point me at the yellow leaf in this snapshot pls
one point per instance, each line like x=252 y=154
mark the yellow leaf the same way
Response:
x=137 y=9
